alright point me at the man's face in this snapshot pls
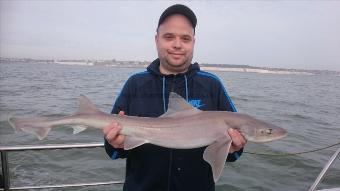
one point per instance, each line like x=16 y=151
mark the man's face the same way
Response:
x=175 y=44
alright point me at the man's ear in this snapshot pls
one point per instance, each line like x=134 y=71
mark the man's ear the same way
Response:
x=156 y=39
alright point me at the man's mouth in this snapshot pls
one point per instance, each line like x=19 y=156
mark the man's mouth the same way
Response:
x=177 y=55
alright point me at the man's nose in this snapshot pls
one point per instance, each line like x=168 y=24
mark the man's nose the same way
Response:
x=177 y=44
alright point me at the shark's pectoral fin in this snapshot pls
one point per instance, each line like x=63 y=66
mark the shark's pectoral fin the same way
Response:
x=78 y=128
x=40 y=132
x=133 y=142
x=216 y=155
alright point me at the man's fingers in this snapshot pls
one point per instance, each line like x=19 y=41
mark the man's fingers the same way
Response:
x=119 y=141
x=113 y=136
x=238 y=140
x=113 y=132
x=108 y=128
x=112 y=125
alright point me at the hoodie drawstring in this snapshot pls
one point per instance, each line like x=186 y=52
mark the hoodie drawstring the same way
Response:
x=164 y=108
x=186 y=88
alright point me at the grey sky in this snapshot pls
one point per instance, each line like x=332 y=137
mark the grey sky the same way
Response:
x=286 y=34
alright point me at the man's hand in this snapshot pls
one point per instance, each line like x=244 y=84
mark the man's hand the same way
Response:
x=111 y=134
x=238 y=141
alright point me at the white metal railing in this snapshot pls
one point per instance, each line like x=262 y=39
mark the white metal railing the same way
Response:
x=323 y=172
x=5 y=167
x=6 y=178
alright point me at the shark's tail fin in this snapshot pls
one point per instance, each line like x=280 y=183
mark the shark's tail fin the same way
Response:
x=38 y=126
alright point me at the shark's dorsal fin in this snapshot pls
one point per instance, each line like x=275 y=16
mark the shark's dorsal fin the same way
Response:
x=179 y=107
x=86 y=106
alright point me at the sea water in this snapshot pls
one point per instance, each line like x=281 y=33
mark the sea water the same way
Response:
x=307 y=106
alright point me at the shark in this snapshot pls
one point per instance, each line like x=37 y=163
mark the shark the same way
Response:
x=181 y=127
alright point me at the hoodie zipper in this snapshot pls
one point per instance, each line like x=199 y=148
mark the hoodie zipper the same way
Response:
x=172 y=83
x=171 y=150
x=172 y=89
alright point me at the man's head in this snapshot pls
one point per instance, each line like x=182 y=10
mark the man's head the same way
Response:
x=178 y=9
x=175 y=39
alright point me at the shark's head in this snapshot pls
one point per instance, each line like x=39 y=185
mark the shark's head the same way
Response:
x=259 y=131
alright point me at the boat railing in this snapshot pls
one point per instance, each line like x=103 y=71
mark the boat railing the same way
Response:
x=323 y=173
x=5 y=178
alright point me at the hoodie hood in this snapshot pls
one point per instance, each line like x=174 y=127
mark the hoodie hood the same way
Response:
x=173 y=82
x=154 y=69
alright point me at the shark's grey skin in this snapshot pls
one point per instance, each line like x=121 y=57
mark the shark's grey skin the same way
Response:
x=181 y=127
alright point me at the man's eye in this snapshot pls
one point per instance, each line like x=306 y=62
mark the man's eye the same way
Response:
x=186 y=39
x=168 y=37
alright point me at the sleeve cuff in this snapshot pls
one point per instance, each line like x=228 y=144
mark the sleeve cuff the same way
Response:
x=114 y=155
x=234 y=156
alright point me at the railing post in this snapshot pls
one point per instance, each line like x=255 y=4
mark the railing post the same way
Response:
x=5 y=176
x=324 y=170
x=5 y=172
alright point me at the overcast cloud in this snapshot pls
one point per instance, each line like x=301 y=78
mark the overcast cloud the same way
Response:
x=285 y=34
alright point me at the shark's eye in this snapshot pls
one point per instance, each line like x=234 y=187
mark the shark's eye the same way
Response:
x=269 y=131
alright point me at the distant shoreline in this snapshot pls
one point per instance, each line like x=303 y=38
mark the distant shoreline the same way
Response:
x=143 y=64
x=254 y=70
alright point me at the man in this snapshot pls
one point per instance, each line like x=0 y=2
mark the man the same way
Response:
x=150 y=167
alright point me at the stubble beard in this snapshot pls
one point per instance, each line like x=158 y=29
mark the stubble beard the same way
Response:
x=176 y=68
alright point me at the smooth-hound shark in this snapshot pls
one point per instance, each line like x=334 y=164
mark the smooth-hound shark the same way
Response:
x=182 y=127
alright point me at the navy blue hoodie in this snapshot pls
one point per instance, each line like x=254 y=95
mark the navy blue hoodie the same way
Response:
x=150 y=167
